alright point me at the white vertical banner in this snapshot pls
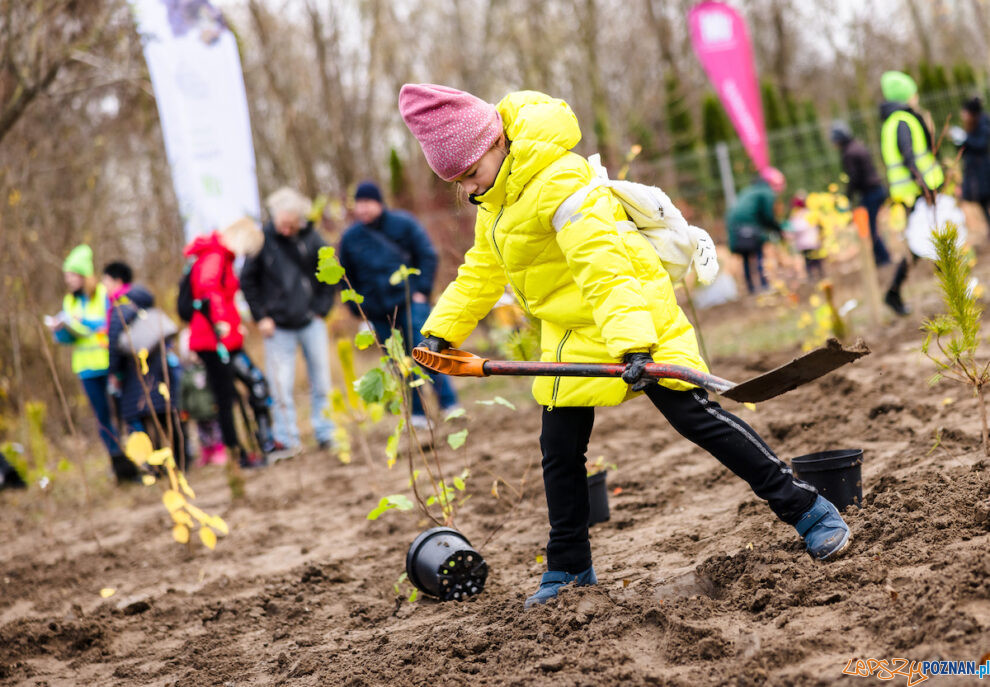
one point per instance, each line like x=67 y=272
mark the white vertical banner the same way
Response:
x=196 y=74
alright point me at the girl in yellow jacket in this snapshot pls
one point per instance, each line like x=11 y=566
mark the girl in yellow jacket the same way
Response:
x=600 y=295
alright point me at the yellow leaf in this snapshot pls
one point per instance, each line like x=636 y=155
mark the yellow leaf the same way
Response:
x=495 y=488
x=147 y=480
x=539 y=558
x=182 y=518
x=163 y=390
x=948 y=400
x=158 y=457
x=750 y=406
x=184 y=485
x=200 y=516
x=138 y=447
x=344 y=457
x=107 y=592
x=217 y=523
x=173 y=500
x=180 y=533
x=143 y=357
x=207 y=537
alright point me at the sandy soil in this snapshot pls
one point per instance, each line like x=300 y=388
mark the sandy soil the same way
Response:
x=699 y=584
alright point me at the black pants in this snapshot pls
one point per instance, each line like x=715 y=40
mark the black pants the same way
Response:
x=220 y=377
x=564 y=441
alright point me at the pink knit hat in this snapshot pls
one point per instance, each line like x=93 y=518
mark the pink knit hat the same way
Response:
x=454 y=128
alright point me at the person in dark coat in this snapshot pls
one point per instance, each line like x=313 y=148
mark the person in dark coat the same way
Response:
x=289 y=304
x=864 y=188
x=976 y=156
x=371 y=251
x=142 y=405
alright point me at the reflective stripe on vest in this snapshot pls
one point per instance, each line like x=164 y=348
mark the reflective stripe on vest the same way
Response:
x=903 y=187
x=90 y=353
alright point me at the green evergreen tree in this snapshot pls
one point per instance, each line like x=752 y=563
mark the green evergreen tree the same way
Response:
x=643 y=135
x=715 y=128
x=684 y=140
x=715 y=124
x=925 y=77
x=820 y=148
x=397 y=174
x=800 y=141
x=783 y=151
x=963 y=75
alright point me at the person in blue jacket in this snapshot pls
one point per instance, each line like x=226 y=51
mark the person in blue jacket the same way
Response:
x=371 y=251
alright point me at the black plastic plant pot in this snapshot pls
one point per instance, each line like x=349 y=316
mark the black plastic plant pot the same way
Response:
x=442 y=563
x=597 y=498
x=838 y=475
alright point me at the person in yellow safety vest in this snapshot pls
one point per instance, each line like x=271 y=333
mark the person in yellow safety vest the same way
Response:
x=912 y=169
x=82 y=324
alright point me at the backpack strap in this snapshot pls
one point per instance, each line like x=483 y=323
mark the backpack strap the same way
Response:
x=569 y=210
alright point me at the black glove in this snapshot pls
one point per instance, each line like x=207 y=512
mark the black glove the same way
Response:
x=635 y=374
x=434 y=344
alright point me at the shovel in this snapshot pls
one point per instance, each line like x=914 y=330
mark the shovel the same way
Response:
x=802 y=370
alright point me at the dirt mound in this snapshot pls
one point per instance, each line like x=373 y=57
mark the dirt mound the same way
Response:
x=699 y=583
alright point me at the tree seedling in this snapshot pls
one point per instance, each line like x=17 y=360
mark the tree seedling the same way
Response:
x=178 y=493
x=953 y=337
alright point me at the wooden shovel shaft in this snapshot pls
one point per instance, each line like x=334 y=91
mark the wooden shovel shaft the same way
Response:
x=655 y=370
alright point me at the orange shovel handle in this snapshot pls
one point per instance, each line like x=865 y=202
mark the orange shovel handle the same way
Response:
x=451 y=362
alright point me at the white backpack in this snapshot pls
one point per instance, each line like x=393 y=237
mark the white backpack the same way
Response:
x=655 y=216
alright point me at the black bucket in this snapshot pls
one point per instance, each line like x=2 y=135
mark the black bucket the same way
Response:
x=442 y=563
x=838 y=475
x=597 y=498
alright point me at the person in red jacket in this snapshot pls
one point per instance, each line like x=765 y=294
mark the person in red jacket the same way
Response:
x=216 y=334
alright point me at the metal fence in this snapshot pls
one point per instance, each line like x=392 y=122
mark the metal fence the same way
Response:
x=803 y=153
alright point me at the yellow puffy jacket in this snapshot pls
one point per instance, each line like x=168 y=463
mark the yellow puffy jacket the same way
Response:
x=599 y=293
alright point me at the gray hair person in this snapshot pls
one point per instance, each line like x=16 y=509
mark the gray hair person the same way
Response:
x=289 y=304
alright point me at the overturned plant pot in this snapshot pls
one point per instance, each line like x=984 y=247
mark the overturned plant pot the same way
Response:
x=598 y=498
x=442 y=563
x=838 y=475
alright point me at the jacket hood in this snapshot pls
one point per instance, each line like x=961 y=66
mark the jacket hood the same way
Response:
x=889 y=107
x=140 y=296
x=541 y=130
x=210 y=243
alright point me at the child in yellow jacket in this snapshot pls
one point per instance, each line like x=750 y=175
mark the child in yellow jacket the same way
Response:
x=601 y=296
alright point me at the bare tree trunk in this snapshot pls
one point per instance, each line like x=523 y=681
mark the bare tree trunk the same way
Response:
x=661 y=27
x=980 y=12
x=303 y=152
x=922 y=30
x=782 y=54
x=332 y=96
x=599 y=99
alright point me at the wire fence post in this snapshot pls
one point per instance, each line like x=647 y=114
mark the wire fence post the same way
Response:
x=725 y=173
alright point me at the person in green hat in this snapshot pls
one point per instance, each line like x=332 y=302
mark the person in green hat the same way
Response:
x=913 y=171
x=82 y=324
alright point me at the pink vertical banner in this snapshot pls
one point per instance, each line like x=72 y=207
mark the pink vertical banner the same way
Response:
x=722 y=44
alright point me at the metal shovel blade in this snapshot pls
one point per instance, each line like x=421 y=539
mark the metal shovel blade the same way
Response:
x=807 y=368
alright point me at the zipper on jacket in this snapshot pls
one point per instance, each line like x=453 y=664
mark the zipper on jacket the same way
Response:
x=556 y=380
x=518 y=293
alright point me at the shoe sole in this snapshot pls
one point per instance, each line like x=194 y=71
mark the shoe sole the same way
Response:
x=840 y=550
x=284 y=454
